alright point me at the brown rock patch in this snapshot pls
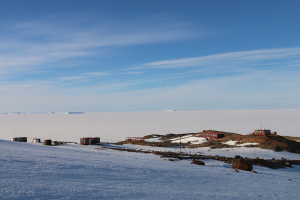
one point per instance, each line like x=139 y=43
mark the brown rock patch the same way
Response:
x=242 y=165
x=197 y=162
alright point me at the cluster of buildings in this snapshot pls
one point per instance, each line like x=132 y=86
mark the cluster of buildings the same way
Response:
x=96 y=140
x=83 y=141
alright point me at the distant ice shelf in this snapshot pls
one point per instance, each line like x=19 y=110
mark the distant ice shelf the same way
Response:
x=14 y=113
x=69 y=113
x=21 y=113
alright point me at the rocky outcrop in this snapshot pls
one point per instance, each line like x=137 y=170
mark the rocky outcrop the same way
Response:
x=242 y=165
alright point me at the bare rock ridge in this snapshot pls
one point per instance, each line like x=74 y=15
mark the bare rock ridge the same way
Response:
x=237 y=162
x=271 y=142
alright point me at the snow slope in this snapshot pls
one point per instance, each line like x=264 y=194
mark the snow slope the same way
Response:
x=188 y=138
x=35 y=171
x=228 y=152
x=234 y=143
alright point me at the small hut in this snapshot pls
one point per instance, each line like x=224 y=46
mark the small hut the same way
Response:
x=47 y=142
x=210 y=135
x=20 y=139
x=36 y=140
x=89 y=140
x=262 y=132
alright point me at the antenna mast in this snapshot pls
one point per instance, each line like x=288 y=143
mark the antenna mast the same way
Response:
x=261 y=126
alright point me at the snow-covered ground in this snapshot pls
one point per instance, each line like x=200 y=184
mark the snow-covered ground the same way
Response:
x=228 y=152
x=188 y=138
x=116 y=126
x=72 y=171
x=234 y=143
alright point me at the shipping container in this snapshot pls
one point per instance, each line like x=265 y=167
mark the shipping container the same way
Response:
x=47 y=142
x=36 y=140
x=20 y=139
x=89 y=140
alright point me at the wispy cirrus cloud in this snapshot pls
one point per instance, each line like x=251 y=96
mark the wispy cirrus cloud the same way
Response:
x=230 y=59
x=181 y=71
x=97 y=74
x=237 y=92
x=33 y=44
x=84 y=77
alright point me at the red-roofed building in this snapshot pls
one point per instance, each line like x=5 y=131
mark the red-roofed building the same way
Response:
x=210 y=135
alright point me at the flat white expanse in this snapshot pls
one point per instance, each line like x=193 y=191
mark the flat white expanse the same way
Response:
x=72 y=171
x=113 y=126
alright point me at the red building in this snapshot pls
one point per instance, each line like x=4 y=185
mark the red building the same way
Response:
x=210 y=135
x=262 y=132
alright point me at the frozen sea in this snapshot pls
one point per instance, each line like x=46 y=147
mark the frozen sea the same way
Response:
x=115 y=126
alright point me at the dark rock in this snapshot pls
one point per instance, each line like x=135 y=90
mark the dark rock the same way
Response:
x=197 y=162
x=288 y=164
x=242 y=165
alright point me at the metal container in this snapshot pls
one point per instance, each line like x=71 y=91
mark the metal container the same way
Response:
x=36 y=140
x=20 y=139
x=89 y=140
x=47 y=142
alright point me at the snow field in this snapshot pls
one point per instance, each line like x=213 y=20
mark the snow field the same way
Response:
x=234 y=143
x=191 y=139
x=228 y=152
x=71 y=171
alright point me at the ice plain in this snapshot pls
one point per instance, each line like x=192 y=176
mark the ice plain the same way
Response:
x=73 y=171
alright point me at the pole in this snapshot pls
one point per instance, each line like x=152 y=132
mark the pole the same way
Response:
x=180 y=145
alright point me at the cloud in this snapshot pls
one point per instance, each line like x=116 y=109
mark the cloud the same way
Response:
x=33 y=44
x=242 y=91
x=225 y=59
x=132 y=73
x=97 y=74
x=206 y=82
x=70 y=78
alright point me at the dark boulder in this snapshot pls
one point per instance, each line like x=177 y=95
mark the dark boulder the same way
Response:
x=197 y=162
x=242 y=165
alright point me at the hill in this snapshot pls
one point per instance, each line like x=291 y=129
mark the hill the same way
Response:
x=230 y=140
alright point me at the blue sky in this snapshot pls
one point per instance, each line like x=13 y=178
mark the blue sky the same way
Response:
x=123 y=55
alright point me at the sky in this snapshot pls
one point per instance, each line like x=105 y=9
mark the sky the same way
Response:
x=131 y=55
